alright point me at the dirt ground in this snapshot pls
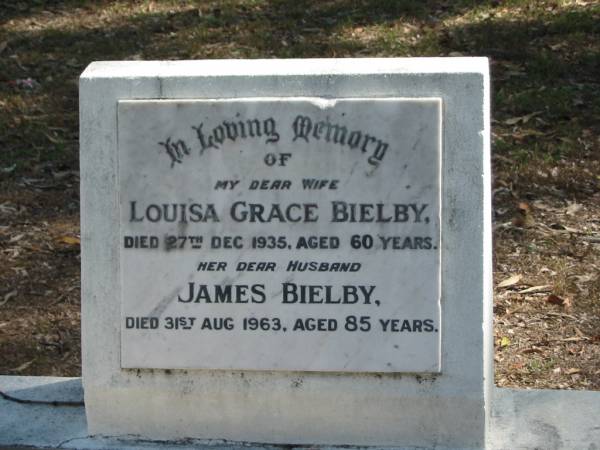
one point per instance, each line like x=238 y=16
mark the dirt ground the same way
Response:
x=546 y=313
x=546 y=308
x=545 y=58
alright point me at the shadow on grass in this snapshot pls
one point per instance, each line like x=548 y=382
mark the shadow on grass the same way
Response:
x=45 y=117
x=10 y=10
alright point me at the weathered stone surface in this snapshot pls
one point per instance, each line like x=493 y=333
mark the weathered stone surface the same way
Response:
x=523 y=419
x=280 y=234
x=291 y=406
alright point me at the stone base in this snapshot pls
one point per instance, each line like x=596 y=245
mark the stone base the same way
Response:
x=520 y=419
x=439 y=398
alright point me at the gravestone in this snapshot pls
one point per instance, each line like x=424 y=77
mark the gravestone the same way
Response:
x=287 y=251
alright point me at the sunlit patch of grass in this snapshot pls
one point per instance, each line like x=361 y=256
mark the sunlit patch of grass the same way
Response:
x=550 y=46
x=539 y=366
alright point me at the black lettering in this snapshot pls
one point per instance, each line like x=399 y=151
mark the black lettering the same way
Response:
x=302 y=126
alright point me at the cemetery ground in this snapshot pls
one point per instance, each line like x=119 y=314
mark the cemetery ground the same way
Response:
x=545 y=62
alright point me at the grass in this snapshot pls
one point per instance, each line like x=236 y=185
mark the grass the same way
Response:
x=545 y=61
x=545 y=54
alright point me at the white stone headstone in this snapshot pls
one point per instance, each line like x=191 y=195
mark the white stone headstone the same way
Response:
x=272 y=227
x=292 y=251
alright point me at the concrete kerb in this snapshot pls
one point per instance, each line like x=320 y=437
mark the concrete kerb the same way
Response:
x=53 y=416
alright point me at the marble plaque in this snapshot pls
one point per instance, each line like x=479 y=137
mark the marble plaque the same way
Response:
x=297 y=234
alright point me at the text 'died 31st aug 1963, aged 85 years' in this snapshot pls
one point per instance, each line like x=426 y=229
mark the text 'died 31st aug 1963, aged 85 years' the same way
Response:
x=280 y=234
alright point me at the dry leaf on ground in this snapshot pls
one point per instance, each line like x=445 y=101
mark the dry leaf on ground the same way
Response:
x=23 y=366
x=70 y=240
x=523 y=216
x=573 y=208
x=8 y=296
x=556 y=300
x=510 y=281
x=533 y=289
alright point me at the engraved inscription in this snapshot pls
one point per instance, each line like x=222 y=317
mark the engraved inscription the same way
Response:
x=281 y=234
